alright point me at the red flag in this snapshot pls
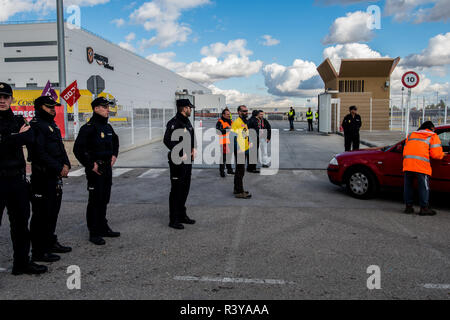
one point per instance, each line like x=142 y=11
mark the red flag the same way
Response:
x=71 y=94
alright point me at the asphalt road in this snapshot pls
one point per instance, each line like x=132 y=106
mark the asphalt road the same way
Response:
x=299 y=237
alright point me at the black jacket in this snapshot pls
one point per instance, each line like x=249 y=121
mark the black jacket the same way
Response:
x=267 y=133
x=12 y=161
x=96 y=141
x=179 y=122
x=219 y=125
x=352 y=124
x=47 y=154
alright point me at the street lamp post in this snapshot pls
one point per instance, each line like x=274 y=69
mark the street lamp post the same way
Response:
x=61 y=57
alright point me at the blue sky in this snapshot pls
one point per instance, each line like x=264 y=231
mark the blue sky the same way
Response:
x=227 y=35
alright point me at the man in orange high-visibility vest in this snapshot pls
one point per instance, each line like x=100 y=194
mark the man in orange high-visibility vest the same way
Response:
x=224 y=127
x=420 y=146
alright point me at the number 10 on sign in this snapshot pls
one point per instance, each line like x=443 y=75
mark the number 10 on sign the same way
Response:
x=410 y=80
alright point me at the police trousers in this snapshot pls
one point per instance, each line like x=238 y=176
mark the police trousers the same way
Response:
x=99 y=187
x=15 y=197
x=351 y=139
x=180 y=180
x=46 y=204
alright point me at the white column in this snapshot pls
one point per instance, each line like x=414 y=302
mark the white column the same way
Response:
x=407 y=112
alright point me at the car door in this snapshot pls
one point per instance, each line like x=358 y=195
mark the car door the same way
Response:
x=440 y=180
x=392 y=166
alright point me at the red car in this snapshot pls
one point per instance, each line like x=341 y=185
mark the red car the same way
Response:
x=364 y=172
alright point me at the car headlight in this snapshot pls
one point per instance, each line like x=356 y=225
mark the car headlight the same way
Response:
x=334 y=162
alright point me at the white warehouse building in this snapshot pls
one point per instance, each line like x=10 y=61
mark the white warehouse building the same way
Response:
x=29 y=58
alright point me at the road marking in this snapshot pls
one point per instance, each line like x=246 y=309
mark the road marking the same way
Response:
x=3 y=270
x=437 y=286
x=77 y=173
x=231 y=263
x=300 y=130
x=152 y=173
x=234 y=280
x=303 y=174
x=119 y=172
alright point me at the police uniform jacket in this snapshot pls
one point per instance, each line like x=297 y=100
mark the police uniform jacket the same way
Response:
x=96 y=141
x=179 y=122
x=352 y=124
x=12 y=161
x=47 y=154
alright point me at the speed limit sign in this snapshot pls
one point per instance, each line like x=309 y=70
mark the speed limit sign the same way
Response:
x=410 y=79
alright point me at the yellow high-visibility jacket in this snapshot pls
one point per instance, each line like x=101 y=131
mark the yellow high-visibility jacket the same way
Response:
x=241 y=130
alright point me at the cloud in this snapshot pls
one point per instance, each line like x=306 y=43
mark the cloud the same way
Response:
x=161 y=16
x=221 y=61
x=269 y=41
x=236 y=98
x=165 y=59
x=130 y=37
x=9 y=8
x=418 y=11
x=437 y=54
x=219 y=49
x=349 y=51
x=127 y=46
x=299 y=80
x=118 y=22
x=349 y=29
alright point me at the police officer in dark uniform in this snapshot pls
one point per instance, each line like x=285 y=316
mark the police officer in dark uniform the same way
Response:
x=49 y=164
x=97 y=148
x=14 y=189
x=180 y=163
x=351 y=125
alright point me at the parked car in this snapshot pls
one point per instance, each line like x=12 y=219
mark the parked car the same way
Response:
x=366 y=171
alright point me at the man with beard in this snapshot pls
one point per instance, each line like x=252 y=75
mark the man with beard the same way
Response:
x=241 y=147
x=223 y=125
x=49 y=164
x=14 y=190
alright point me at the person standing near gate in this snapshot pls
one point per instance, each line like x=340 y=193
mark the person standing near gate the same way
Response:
x=291 y=117
x=420 y=146
x=351 y=124
x=97 y=148
x=49 y=165
x=224 y=127
x=14 y=189
x=241 y=147
x=310 y=117
x=180 y=136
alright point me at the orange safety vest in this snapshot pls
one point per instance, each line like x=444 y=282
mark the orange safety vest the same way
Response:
x=225 y=138
x=419 y=147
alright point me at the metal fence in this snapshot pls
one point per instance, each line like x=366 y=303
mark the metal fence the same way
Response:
x=421 y=109
x=135 y=126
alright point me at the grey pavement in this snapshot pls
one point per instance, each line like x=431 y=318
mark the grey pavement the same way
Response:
x=379 y=138
x=299 y=237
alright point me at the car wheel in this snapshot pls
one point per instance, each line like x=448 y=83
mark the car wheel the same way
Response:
x=361 y=183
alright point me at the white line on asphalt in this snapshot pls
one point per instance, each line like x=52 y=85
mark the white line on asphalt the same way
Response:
x=152 y=173
x=119 y=172
x=234 y=280
x=300 y=129
x=231 y=263
x=3 y=270
x=77 y=173
x=437 y=286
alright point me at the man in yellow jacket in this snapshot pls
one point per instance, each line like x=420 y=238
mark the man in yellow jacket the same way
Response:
x=420 y=146
x=240 y=132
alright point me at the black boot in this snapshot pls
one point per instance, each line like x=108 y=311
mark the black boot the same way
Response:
x=176 y=225
x=45 y=257
x=29 y=268
x=58 y=248
x=97 y=240
x=110 y=234
x=187 y=220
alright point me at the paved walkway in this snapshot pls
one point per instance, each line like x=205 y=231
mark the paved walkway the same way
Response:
x=380 y=138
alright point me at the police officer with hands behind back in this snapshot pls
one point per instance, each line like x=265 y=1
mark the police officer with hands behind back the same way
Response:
x=351 y=125
x=97 y=147
x=14 y=190
x=180 y=164
x=49 y=164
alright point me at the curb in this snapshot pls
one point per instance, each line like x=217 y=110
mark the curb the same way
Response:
x=364 y=142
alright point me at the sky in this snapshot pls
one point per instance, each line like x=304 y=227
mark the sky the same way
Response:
x=265 y=53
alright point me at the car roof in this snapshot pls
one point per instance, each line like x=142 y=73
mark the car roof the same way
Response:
x=447 y=126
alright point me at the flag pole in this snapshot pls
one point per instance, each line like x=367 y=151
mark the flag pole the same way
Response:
x=62 y=58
